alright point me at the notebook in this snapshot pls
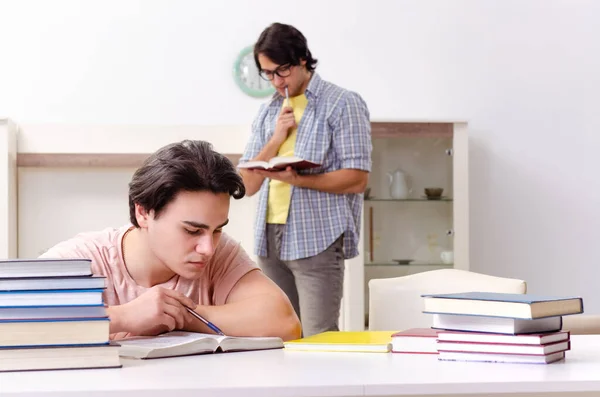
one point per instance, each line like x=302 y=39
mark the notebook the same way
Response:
x=182 y=343
x=344 y=341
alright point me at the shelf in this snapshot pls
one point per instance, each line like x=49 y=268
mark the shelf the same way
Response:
x=76 y=160
x=409 y=199
x=403 y=129
x=411 y=264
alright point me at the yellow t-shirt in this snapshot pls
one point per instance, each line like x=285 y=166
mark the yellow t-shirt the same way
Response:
x=278 y=204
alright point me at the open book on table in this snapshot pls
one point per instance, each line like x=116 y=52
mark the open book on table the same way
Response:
x=181 y=343
x=279 y=164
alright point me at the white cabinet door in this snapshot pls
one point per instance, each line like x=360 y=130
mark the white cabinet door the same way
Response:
x=431 y=154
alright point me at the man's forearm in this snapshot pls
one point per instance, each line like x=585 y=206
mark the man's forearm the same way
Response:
x=340 y=181
x=262 y=315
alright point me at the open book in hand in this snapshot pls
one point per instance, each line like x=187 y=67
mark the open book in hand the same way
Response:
x=279 y=164
x=181 y=343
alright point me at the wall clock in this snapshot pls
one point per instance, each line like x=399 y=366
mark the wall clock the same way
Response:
x=246 y=76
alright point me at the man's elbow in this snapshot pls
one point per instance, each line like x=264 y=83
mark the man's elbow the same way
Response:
x=360 y=185
x=291 y=328
x=287 y=324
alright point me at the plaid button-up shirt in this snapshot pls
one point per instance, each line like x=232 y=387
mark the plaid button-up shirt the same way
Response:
x=335 y=131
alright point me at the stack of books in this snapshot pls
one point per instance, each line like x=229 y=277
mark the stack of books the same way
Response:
x=500 y=327
x=52 y=316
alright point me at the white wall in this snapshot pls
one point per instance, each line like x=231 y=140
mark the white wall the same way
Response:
x=524 y=73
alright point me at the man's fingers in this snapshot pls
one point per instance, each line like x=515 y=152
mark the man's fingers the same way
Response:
x=184 y=300
x=175 y=312
x=168 y=321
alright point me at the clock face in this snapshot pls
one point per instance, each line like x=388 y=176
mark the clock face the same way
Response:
x=246 y=76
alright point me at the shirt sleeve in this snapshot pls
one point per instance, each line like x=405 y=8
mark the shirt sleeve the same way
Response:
x=352 y=134
x=101 y=257
x=256 y=142
x=230 y=263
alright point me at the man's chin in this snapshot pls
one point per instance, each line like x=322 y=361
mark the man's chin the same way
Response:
x=192 y=270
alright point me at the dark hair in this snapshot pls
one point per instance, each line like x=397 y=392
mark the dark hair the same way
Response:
x=283 y=44
x=184 y=166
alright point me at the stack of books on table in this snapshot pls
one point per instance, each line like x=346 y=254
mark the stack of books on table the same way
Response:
x=52 y=316
x=500 y=327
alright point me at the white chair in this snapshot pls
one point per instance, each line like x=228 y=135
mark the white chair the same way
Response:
x=396 y=303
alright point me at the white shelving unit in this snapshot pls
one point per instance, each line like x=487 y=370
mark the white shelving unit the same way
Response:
x=413 y=229
x=46 y=158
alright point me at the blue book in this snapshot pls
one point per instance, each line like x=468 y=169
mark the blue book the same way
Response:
x=45 y=267
x=496 y=304
x=49 y=283
x=52 y=312
x=70 y=297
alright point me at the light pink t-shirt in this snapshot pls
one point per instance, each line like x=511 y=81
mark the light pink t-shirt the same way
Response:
x=227 y=266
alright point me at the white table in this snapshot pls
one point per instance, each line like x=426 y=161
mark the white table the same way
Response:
x=285 y=373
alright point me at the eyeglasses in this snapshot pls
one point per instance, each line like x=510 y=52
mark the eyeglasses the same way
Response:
x=281 y=71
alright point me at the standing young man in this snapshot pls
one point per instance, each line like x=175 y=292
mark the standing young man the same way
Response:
x=307 y=222
x=175 y=255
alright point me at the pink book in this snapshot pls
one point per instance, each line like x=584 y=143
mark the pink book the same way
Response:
x=415 y=340
x=519 y=339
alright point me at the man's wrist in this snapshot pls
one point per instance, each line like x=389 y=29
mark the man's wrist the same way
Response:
x=117 y=320
x=305 y=181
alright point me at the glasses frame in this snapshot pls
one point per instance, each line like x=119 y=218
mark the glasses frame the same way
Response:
x=281 y=71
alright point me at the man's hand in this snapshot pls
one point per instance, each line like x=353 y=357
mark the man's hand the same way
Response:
x=157 y=310
x=285 y=121
x=288 y=176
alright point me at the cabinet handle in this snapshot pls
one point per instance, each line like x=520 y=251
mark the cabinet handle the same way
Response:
x=450 y=152
x=449 y=232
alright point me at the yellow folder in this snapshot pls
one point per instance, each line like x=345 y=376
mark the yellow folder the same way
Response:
x=344 y=341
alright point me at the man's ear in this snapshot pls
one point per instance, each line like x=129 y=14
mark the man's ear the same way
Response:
x=142 y=216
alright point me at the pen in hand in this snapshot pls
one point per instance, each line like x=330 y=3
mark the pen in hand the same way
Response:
x=287 y=96
x=205 y=321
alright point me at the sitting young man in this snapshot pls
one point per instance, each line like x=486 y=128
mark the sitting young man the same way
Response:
x=175 y=255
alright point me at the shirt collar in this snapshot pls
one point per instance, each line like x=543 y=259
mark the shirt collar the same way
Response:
x=314 y=85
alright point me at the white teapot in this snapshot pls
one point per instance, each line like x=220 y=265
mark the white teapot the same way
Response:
x=398 y=185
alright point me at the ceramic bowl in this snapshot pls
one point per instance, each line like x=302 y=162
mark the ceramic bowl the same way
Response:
x=434 y=191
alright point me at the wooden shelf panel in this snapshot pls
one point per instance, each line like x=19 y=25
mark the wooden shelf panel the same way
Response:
x=134 y=160
x=394 y=130
x=87 y=160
